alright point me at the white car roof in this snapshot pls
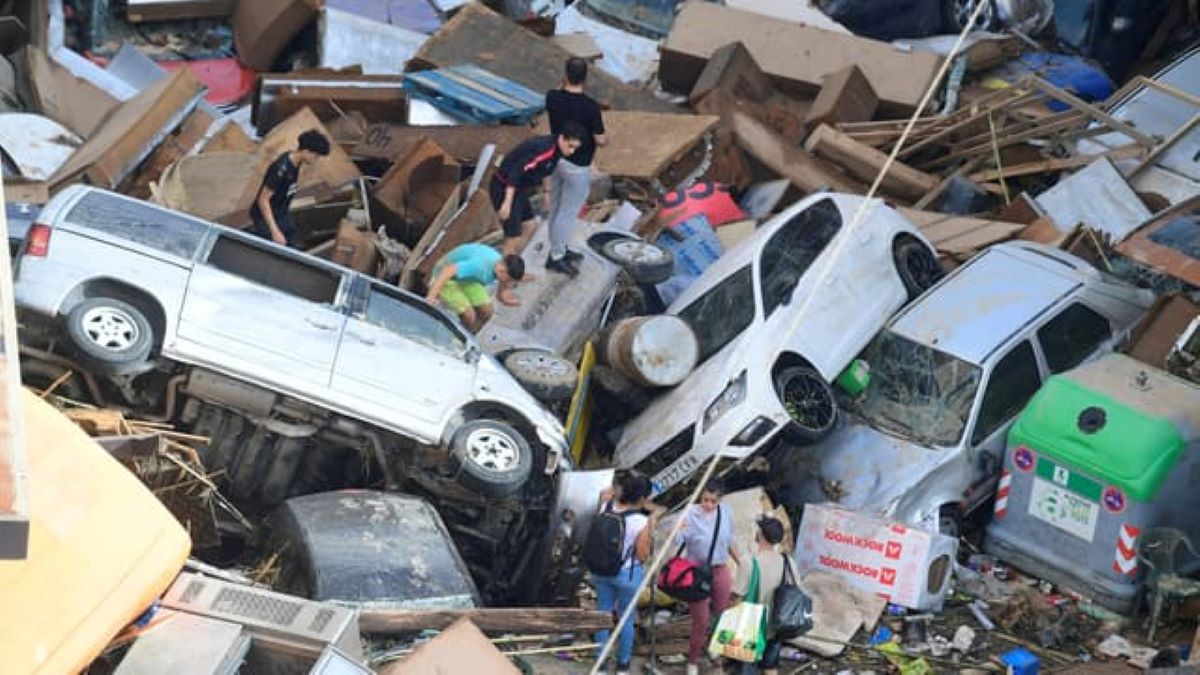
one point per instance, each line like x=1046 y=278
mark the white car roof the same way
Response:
x=980 y=305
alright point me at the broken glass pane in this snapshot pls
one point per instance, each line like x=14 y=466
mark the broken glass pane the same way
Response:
x=918 y=392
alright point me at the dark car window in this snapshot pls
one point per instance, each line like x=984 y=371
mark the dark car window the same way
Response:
x=277 y=270
x=1013 y=382
x=721 y=314
x=789 y=252
x=402 y=316
x=158 y=228
x=1070 y=337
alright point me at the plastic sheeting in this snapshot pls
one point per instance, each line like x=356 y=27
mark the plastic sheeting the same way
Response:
x=628 y=57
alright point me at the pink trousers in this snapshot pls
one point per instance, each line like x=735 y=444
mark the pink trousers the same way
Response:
x=703 y=611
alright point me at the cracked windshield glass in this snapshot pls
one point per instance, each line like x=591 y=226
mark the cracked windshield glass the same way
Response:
x=918 y=392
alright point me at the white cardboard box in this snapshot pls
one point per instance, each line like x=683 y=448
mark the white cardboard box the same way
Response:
x=877 y=555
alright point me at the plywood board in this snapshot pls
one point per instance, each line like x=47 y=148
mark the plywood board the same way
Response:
x=796 y=55
x=479 y=36
x=960 y=236
x=641 y=145
x=132 y=131
x=1097 y=197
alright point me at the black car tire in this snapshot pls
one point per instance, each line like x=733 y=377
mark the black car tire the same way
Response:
x=809 y=402
x=110 y=334
x=917 y=266
x=956 y=13
x=491 y=457
x=644 y=261
x=549 y=378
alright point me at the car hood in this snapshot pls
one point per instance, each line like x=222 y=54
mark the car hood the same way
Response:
x=860 y=468
x=675 y=409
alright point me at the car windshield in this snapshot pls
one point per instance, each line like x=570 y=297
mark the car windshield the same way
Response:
x=918 y=392
x=720 y=315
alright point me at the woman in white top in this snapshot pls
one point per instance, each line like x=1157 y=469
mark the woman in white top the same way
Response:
x=615 y=593
x=708 y=530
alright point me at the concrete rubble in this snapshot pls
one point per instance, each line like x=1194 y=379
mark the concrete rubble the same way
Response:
x=286 y=476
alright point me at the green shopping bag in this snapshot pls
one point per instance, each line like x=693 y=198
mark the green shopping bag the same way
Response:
x=741 y=632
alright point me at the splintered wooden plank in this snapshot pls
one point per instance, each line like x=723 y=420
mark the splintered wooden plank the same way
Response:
x=477 y=35
x=960 y=236
x=789 y=161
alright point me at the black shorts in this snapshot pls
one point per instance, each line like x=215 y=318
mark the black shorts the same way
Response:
x=522 y=210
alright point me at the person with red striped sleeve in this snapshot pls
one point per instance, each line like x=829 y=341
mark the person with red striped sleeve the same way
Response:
x=522 y=169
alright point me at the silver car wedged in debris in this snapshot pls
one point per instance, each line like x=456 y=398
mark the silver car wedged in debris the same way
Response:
x=950 y=373
x=286 y=360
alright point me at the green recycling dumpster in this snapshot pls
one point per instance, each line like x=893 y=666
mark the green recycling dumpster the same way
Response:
x=1101 y=454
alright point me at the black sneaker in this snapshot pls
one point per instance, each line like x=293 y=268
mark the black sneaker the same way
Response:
x=573 y=256
x=562 y=266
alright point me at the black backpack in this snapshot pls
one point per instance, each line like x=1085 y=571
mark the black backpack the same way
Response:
x=603 y=547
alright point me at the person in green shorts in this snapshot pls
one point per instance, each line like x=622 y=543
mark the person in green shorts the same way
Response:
x=461 y=278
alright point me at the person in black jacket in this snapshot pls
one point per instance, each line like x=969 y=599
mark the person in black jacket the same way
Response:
x=572 y=178
x=523 y=168
x=270 y=213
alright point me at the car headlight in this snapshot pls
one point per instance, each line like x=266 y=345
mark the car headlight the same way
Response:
x=729 y=399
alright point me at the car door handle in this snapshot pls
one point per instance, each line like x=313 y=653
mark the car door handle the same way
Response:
x=318 y=325
x=361 y=339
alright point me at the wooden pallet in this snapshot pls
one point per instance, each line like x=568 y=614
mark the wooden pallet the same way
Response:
x=474 y=94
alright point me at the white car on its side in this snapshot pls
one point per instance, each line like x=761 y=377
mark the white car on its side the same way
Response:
x=778 y=318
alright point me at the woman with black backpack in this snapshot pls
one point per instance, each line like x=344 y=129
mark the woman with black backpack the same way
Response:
x=615 y=549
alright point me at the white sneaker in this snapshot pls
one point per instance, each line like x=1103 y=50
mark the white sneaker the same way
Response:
x=693 y=669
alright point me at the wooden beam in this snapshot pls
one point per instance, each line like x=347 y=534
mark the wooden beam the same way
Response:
x=488 y=619
x=865 y=162
x=1157 y=152
x=789 y=161
x=1168 y=90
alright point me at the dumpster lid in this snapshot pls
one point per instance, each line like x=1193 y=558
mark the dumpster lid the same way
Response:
x=1117 y=419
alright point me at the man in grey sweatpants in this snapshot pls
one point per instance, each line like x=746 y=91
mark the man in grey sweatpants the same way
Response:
x=572 y=178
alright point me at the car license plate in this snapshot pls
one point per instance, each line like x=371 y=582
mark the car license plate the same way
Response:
x=681 y=469
x=1063 y=509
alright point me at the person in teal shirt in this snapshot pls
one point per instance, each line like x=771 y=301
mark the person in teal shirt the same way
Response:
x=461 y=278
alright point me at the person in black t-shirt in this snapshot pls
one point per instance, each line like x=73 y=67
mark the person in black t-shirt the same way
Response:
x=523 y=168
x=572 y=180
x=270 y=214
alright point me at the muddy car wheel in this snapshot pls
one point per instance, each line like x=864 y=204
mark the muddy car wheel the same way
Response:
x=809 y=402
x=549 y=378
x=491 y=457
x=645 y=262
x=917 y=266
x=112 y=334
x=957 y=13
